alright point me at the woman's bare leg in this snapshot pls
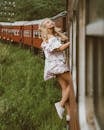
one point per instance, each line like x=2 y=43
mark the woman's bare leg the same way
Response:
x=67 y=107
x=65 y=93
x=66 y=76
x=73 y=106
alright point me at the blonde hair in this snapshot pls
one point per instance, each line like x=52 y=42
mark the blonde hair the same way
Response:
x=44 y=31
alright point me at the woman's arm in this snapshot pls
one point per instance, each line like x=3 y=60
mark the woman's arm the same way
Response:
x=63 y=47
x=63 y=36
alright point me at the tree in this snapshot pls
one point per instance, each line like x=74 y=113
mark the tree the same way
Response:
x=36 y=9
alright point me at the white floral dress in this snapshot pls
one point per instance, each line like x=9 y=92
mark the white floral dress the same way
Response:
x=54 y=60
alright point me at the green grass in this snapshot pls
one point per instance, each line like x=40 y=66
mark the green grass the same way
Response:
x=26 y=100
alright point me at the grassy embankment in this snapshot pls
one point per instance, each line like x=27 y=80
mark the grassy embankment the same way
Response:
x=26 y=101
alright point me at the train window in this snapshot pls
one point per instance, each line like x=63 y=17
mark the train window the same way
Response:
x=36 y=33
x=99 y=80
x=95 y=56
x=95 y=75
x=94 y=10
x=9 y=31
x=27 y=33
x=39 y=34
x=14 y=32
x=17 y=32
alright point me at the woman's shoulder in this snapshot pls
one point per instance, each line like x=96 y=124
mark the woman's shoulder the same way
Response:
x=54 y=38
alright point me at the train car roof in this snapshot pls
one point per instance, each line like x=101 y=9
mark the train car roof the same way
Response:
x=34 y=22
x=5 y=23
x=20 y=23
x=59 y=15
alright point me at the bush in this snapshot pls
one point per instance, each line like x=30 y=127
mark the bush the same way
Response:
x=4 y=55
x=26 y=102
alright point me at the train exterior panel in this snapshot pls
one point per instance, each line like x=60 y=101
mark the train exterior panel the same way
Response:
x=26 y=32
x=4 y=32
x=8 y=33
x=36 y=37
x=27 y=35
x=16 y=34
x=0 y=31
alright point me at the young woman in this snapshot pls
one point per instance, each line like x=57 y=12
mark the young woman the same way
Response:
x=55 y=65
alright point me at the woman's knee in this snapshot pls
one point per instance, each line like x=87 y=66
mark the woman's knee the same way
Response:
x=66 y=86
x=66 y=76
x=62 y=82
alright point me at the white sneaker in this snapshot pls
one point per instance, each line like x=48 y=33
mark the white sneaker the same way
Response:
x=67 y=117
x=60 y=109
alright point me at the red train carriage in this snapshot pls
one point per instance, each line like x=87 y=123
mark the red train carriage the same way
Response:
x=5 y=29
x=16 y=34
x=26 y=32
x=3 y=32
x=8 y=33
x=11 y=33
x=31 y=33
x=36 y=37
x=0 y=31
x=27 y=35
